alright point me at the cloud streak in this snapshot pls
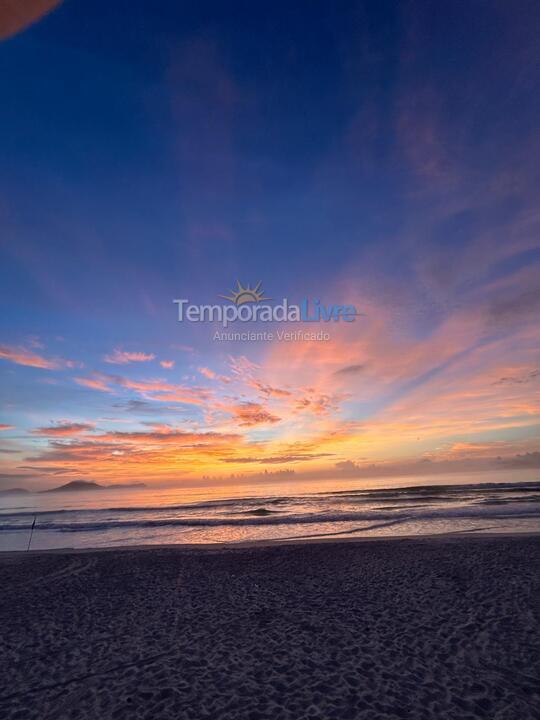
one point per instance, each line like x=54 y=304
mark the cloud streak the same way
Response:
x=24 y=356
x=122 y=357
x=64 y=429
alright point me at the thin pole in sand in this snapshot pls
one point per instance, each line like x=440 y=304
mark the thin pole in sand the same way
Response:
x=31 y=533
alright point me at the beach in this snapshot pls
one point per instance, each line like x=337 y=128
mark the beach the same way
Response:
x=439 y=628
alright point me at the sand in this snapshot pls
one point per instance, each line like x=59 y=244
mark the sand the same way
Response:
x=425 y=628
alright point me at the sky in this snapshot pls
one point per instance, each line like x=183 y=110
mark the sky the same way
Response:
x=378 y=154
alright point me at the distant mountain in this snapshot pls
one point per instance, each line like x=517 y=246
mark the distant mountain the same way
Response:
x=14 y=491
x=78 y=485
x=75 y=486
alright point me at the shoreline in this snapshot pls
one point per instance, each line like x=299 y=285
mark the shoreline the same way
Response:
x=278 y=542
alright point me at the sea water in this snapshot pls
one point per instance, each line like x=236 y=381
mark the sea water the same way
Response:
x=285 y=510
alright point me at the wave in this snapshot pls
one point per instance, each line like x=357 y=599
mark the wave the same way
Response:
x=477 y=511
x=506 y=501
x=527 y=486
x=398 y=496
x=186 y=507
x=261 y=512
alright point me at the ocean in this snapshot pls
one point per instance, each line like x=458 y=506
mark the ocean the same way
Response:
x=268 y=511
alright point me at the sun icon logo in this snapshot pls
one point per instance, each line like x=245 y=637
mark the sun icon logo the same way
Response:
x=245 y=294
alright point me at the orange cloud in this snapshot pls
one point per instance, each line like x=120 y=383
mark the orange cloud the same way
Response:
x=160 y=452
x=3 y=426
x=167 y=364
x=251 y=413
x=277 y=459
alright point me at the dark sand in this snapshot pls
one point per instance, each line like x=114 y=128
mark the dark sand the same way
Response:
x=432 y=628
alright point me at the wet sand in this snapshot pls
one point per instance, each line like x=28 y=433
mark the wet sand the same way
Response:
x=412 y=628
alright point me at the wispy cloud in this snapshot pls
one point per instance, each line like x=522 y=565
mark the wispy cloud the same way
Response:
x=24 y=356
x=519 y=379
x=268 y=390
x=350 y=370
x=165 y=435
x=153 y=389
x=277 y=459
x=96 y=381
x=64 y=428
x=211 y=375
x=242 y=366
x=123 y=357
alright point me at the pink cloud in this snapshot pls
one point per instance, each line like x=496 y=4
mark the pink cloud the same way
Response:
x=269 y=391
x=3 y=426
x=211 y=375
x=157 y=389
x=167 y=364
x=97 y=381
x=64 y=429
x=121 y=357
x=23 y=356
